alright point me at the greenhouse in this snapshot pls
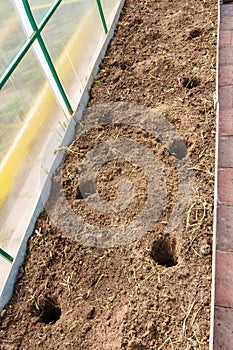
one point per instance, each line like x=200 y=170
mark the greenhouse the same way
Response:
x=116 y=204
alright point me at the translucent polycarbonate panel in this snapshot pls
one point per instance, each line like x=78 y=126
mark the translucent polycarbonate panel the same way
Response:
x=12 y=35
x=108 y=6
x=18 y=96
x=40 y=7
x=30 y=173
x=72 y=37
x=63 y=24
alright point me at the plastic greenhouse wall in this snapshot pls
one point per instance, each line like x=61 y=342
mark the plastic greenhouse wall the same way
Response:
x=48 y=49
x=70 y=38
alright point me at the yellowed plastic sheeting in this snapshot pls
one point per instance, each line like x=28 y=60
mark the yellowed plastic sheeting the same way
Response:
x=37 y=116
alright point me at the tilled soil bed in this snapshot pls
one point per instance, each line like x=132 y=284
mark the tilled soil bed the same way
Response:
x=154 y=291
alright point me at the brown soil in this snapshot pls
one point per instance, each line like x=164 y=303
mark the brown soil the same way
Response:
x=153 y=293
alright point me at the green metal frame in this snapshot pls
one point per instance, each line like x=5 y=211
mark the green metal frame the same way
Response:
x=102 y=16
x=45 y=51
x=18 y=58
x=6 y=255
x=37 y=36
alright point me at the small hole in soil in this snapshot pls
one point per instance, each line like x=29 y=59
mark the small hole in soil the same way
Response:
x=123 y=65
x=88 y=188
x=91 y=314
x=194 y=33
x=190 y=83
x=50 y=312
x=78 y=194
x=163 y=253
x=137 y=21
x=178 y=149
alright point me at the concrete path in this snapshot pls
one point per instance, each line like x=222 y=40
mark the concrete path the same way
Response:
x=223 y=319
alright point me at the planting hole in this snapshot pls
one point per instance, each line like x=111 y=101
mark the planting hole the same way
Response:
x=178 y=149
x=194 y=33
x=50 y=312
x=88 y=188
x=163 y=253
x=190 y=83
x=78 y=194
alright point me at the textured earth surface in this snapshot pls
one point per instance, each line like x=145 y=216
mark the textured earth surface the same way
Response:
x=153 y=292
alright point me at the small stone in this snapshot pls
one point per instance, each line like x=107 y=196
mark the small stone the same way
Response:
x=195 y=344
x=205 y=249
x=3 y=313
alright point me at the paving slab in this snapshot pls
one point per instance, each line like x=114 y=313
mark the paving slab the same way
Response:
x=225 y=155
x=223 y=257
x=226 y=75
x=224 y=279
x=225 y=228
x=225 y=38
x=225 y=185
x=225 y=97
x=223 y=328
x=226 y=122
